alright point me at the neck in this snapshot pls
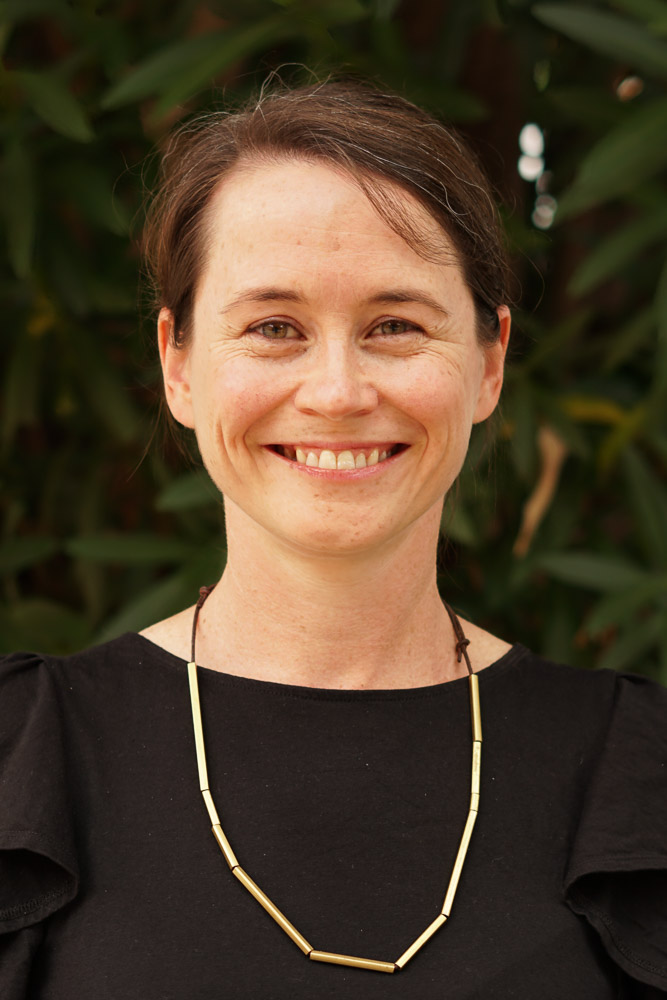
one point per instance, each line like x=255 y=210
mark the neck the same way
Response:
x=367 y=620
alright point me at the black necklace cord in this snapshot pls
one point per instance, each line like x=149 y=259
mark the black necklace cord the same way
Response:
x=203 y=594
x=461 y=641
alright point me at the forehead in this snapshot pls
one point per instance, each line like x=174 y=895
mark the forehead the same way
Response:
x=307 y=214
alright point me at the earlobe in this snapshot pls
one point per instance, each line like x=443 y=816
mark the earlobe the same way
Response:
x=494 y=369
x=175 y=363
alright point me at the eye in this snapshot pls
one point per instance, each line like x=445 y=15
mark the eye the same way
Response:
x=395 y=327
x=276 y=330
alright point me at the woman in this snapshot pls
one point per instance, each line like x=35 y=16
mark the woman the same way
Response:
x=332 y=322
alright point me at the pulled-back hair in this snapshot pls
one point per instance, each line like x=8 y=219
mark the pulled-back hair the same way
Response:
x=376 y=137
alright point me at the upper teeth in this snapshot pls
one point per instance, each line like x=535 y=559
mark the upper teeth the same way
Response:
x=326 y=459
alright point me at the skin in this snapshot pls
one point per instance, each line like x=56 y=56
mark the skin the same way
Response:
x=315 y=325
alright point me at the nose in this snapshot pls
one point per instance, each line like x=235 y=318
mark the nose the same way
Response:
x=336 y=386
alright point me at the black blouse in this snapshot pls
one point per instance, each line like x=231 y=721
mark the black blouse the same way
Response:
x=346 y=807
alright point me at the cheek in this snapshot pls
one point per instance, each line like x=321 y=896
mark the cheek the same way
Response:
x=240 y=395
x=441 y=398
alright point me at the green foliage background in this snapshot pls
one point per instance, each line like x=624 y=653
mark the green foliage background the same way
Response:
x=99 y=535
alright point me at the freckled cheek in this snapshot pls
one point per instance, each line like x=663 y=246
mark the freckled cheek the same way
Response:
x=243 y=404
x=440 y=405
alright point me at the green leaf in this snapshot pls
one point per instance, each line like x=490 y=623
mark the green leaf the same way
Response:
x=521 y=412
x=45 y=625
x=556 y=341
x=596 y=572
x=129 y=548
x=658 y=389
x=55 y=104
x=20 y=395
x=614 y=252
x=233 y=45
x=12 y=11
x=91 y=187
x=180 y=69
x=661 y=306
x=646 y=10
x=195 y=489
x=104 y=388
x=629 y=338
x=649 y=503
x=384 y=9
x=20 y=553
x=18 y=199
x=610 y=35
x=625 y=157
x=630 y=649
x=167 y=597
x=590 y=106
x=457 y=524
x=157 y=71
x=619 y=608
x=341 y=11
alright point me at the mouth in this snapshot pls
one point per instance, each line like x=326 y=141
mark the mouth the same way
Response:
x=346 y=459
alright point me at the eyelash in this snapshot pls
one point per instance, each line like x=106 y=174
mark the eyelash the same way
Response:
x=273 y=322
x=409 y=328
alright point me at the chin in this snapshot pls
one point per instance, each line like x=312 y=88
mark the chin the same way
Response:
x=329 y=543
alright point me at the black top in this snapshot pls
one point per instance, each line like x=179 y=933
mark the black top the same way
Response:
x=346 y=807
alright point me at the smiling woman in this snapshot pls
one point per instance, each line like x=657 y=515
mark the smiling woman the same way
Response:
x=313 y=363
x=332 y=321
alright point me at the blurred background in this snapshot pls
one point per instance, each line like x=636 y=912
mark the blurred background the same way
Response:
x=557 y=533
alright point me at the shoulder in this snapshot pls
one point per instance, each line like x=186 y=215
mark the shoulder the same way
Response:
x=125 y=653
x=582 y=715
x=599 y=739
x=526 y=671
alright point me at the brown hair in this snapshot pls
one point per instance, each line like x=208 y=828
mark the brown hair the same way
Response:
x=373 y=135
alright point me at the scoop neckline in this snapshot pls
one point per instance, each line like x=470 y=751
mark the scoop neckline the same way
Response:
x=516 y=653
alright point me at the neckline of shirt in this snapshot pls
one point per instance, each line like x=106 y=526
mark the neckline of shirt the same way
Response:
x=515 y=655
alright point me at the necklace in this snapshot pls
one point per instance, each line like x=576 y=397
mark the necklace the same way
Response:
x=299 y=940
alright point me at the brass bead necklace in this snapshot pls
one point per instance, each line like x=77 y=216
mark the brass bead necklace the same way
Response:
x=299 y=940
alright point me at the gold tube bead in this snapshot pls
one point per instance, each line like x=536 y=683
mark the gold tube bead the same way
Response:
x=356 y=963
x=224 y=846
x=458 y=864
x=475 y=708
x=272 y=910
x=476 y=767
x=210 y=805
x=199 y=731
x=421 y=940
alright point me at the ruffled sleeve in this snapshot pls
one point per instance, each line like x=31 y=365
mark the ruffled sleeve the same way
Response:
x=617 y=872
x=38 y=869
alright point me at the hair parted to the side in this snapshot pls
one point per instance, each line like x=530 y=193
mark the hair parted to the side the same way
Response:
x=376 y=137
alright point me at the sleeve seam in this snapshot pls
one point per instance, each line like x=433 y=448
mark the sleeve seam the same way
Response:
x=25 y=909
x=624 y=950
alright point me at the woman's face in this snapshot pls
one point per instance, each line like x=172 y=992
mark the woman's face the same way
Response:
x=333 y=374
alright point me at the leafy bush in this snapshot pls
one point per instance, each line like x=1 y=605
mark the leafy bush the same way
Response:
x=557 y=533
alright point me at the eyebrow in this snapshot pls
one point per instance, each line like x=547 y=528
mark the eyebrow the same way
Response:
x=399 y=295
x=264 y=294
x=393 y=296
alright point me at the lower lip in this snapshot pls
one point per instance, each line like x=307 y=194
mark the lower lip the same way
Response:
x=340 y=475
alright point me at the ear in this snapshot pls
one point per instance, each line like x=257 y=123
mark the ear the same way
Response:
x=175 y=370
x=494 y=369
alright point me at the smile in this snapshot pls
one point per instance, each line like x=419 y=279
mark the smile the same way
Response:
x=344 y=460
